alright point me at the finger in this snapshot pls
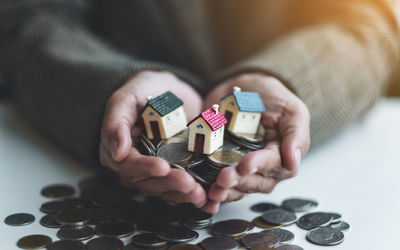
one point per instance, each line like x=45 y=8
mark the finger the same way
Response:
x=256 y=183
x=260 y=161
x=228 y=177
x=234 y=195
x=119 y=117
x=217 y=193
x=197 y=196
x=176 y=180
x=295 y=130
x=211 y=207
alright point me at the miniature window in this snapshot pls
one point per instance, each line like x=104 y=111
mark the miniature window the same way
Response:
x=232 y=104
x=177 y=113
x=168 y=118
x=200 y=126
x=243 y=116
x=254 y=117
x=215 y=134
x=151 y=113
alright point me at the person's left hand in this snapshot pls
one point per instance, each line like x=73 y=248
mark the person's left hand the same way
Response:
x=286 y=122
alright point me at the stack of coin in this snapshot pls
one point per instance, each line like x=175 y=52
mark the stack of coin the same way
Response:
x=196 y=218
x=248 y=141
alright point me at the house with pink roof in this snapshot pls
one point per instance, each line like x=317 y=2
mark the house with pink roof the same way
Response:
x=206 y=131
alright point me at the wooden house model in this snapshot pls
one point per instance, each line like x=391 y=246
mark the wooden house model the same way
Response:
x=242 y=110
x=206 y=131
x=163 y=116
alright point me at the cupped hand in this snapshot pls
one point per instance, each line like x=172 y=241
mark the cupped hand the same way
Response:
x=122 y=122
x=286 y=122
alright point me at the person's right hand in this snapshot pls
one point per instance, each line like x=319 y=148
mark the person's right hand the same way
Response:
x=149 y=174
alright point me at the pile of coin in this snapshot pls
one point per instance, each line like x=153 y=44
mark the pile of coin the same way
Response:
x=108 y=216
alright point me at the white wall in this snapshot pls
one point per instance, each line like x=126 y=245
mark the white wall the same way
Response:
x=174 y=122
x=147 y=118
x=246 y=122
x=212 y=139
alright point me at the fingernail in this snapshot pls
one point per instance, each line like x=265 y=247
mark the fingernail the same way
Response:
x=235 y=182
x=297 y=156
x=114 y=148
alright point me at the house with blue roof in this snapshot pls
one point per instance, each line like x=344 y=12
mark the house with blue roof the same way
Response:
x=242 y=110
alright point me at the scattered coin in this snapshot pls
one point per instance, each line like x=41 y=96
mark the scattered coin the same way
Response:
x=263 y=239
x=75 y=233
x=176 y=233
x=135 y=247
x=314 y=220
x=66 y=245
x=184 y=246
x=336 y=217
x=261 y=223
x=34 y=241
x=341 y=225
x=105 y=243
x=58 y=191
x=219 y=243
x=20 y=219
x=279 y=217
x=231 y=228
x=175 y=153
x=148 y=240
x=288 y=247
x=114 y=229
x=72 y=217
x=49 y=221
x=263 y=206
x=299 y=205
x=325 y=236
x=99 y=216
x=284 y=236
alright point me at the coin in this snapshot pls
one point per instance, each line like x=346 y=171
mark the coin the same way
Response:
x=325 y=236
x=261 y=223
x=149 y=144
x=49 y=221
x=229 y=145
x=105 y=243
x=231 y=228
x=176 y=233
x=148 y=240
x=34 y=241
x=288 y=247
x=114 y=229
x=279 y=217
x=145 y=148
x=19 y=219
x=75 y=233
x=66 y=245
x=184 y=246
x=170 y=141
x=135 y=247
x=263 y=239
x=219 y=243
x=72 y=217
x=196 y=218
x=263 y=206
x=99 y=216
x=336 y=217
x=341 y=225
x=299 y=205
x=225 y=157
x=314 y=220
x=175 y=153
x=283 y=235
x=111 y=197
x=58 y=191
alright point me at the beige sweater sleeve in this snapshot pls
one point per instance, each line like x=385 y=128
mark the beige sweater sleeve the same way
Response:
x=337 y=61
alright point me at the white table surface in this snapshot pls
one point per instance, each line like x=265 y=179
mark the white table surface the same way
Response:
x=356 y=174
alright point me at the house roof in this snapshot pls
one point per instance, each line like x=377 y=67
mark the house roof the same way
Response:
x=215 y=121
x=248 y=101
x=165 y=103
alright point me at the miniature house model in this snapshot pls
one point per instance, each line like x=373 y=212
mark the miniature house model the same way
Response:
x=206 y=131
x=242 y=110
x=164 y=116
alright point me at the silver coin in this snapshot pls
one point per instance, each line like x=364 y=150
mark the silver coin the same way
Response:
x=171 y=140
x=314 y=220
x=149 y=144
x=341 y=225
x=336 y=217
x=66 y=245
x=58 y=191
x=148 y=240
x=175 y=153
x=115 y=229
x=147 y=149
x=263 y=239
x=135 y=247
x=229 y=145
x=263 y=206
x=299 y=205
x=279 y=217
x=105 y=243
x=325 y=236
x=176 y=233
x=222 y=158
x=288 y=247
x=219 y=243
x=49 y=221
x=72 y=217
x=75 y=233
x=231 y=228
x=20 y=219
x=284 y=236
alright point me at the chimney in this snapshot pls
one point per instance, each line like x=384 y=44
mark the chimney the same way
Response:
x=148 y=98
x=236 y=89
x=215 y=108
